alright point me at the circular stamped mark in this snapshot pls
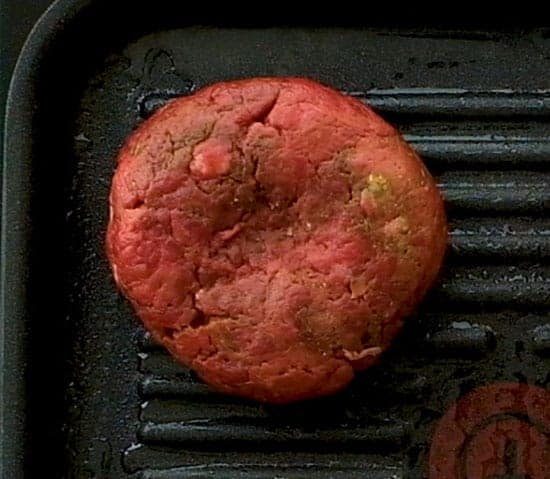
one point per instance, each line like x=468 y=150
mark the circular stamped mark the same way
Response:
x=500 y=431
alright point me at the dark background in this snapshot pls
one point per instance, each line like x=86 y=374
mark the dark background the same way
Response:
x=16 y=20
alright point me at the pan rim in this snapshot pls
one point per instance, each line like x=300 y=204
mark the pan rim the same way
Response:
x=15 y=230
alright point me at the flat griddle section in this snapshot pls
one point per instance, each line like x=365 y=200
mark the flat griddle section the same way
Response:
x=476 y=105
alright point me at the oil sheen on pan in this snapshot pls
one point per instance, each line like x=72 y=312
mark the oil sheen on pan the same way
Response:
x=273 y=234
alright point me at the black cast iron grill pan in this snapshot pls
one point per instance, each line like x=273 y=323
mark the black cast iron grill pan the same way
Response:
x=86 y=393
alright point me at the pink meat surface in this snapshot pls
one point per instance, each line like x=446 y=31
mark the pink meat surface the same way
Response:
x=273 y=233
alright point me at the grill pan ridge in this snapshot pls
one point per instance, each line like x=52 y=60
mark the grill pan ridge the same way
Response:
x=88 y=394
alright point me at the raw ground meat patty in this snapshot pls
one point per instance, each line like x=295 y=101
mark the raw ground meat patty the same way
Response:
x=272 y=233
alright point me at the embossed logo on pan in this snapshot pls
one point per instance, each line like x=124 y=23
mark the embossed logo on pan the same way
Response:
x=497 y=431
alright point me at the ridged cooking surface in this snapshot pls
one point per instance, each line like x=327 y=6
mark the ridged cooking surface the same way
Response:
x=497 y=192
x=475 y=105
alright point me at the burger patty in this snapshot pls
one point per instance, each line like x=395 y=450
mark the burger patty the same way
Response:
x=273 y=233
